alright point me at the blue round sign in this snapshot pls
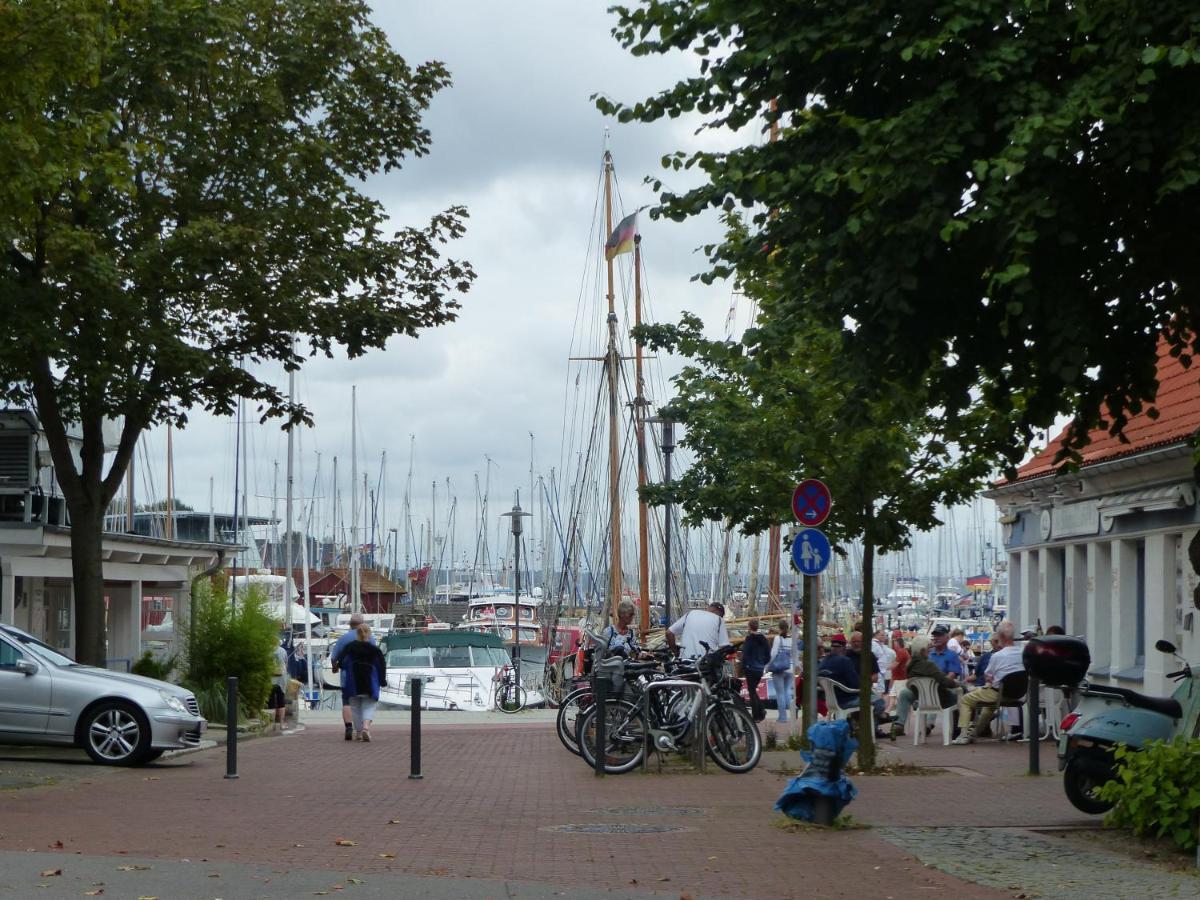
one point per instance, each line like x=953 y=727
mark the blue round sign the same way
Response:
x=810 y=551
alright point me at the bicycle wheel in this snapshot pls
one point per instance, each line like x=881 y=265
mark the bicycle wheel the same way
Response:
x=573 y=706
x=623 y=736
x=510 y=697
x=732 y=738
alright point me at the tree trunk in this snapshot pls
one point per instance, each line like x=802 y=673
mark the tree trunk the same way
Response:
x=866 y=733
x=87 y=537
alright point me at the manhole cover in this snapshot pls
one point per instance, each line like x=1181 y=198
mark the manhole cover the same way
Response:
x=616 y=828
x=651 y=811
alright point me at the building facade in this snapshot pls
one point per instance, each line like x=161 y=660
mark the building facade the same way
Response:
x=1103 y=550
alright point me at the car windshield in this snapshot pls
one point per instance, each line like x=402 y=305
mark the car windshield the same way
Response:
x=43 y=650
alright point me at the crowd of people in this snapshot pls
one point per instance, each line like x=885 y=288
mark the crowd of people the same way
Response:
x=968 y=676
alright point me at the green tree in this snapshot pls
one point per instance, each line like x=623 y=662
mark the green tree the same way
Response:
x=988 y=197
x=759 y=422
x=181 y=195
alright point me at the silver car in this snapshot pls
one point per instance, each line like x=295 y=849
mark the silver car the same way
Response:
x=119 y=719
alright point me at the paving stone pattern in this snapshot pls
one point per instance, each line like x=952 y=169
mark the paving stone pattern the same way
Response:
x=1038 y=866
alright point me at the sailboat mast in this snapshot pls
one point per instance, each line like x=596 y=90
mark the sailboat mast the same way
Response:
x=639 y=416
x=355 y=595
x=613 y=360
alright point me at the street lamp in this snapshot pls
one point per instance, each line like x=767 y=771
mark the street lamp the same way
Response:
x=516 y=515
x=667 y=443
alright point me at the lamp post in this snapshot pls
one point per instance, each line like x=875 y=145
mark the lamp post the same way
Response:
x=667 y=444
x=516 y=515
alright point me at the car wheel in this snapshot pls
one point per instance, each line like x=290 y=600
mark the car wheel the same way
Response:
x=116 y=733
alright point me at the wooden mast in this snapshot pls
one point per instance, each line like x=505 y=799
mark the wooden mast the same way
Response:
x=640 y=422
x=612 y=362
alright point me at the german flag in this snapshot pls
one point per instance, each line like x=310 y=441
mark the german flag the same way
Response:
x=621 y=240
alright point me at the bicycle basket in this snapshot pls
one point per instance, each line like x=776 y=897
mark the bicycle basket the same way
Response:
x=611 y=670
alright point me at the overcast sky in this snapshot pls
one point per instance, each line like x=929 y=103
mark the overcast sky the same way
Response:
x=516 y=140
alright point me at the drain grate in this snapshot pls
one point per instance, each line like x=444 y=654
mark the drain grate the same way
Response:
x=651 y=811
x=615 y=828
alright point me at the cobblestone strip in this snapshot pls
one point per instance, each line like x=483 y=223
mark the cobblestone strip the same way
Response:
x=1031 y=865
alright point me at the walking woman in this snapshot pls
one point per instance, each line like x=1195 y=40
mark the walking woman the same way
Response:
x=366 y=672
x=780 y=668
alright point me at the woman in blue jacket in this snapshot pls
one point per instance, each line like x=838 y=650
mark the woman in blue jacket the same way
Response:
x=366 y=672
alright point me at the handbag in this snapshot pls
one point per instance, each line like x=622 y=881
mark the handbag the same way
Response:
x=781 y=661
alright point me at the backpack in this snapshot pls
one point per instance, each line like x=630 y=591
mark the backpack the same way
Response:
x=781 y=661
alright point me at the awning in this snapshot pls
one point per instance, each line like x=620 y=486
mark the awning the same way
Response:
x=1172 y=496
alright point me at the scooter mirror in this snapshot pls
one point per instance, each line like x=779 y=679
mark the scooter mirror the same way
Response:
x=1164 y=646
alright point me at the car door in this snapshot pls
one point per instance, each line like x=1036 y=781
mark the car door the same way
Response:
x=24 y=697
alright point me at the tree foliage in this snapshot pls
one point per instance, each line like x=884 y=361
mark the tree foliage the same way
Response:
x=989 y=198
x=182 y=195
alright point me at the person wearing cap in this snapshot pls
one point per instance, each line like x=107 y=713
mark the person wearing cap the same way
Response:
x=921 y=666
x=836 y=665
x=942 y=655
x=697 y=627
x=335 y=658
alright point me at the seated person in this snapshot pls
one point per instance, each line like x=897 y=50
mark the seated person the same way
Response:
x=1004 y=662
x=838 y=666
x=921 y=666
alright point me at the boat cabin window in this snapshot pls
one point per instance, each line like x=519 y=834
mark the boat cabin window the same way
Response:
x=409 y=658
x=489 y=656
x=452 y=657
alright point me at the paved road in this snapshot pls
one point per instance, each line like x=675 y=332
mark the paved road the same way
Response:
x=504 y=811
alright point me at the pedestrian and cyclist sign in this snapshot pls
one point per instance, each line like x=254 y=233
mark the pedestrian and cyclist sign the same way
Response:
x=811 y=502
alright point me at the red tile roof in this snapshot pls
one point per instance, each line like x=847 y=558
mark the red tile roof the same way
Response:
x=1178 y=405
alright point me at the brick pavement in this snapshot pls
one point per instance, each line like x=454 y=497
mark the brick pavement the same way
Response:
x=481 y=812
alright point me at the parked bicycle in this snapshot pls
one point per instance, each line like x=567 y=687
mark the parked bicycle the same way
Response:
x=510 y=694
x=730 y=734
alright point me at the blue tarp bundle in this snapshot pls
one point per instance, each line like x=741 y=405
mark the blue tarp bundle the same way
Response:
x=832 y=747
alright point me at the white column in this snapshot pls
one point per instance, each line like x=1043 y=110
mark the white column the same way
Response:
x=1077 y=589
x=135 y=621
x=1099 y=603
x=1030 y=588
x=8 y=588
x=1191 y=637
x=1050 y=594
x=74 y=621
x=1016 y=562
x=1161 y=593
x=1124 y=605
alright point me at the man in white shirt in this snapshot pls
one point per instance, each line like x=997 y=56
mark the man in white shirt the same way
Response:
x=698 y=625
x=1004 y=662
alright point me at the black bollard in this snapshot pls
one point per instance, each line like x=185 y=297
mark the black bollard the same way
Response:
x=1033 y=730
x=231 y=720
x=600 y=691
x=414 y=769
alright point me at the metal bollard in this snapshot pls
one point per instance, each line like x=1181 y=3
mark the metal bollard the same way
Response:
x=414 y=772
x=231 y=719
x=600 y=693
x=1033 y=728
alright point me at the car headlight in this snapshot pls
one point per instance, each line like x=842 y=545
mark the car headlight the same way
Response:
x=173 y=702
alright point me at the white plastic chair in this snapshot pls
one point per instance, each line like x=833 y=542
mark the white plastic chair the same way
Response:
x=929 y=704
x=835 y=710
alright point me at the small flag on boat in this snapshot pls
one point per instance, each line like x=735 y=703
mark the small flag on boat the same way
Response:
x=621 y=240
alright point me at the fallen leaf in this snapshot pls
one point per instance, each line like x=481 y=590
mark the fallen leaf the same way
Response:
x=387 y=855
x=148 y=898
x=712 y=857
x=297 y=845
x=46 y=873
x=94 y=893
x=150 y=778
x=354 y=880
x=57 y=845
x=134 y=868
x=664 y=878
x=341 y=842
x=395 y=822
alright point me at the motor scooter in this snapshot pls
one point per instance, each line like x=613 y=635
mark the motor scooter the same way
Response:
x=1107 y=716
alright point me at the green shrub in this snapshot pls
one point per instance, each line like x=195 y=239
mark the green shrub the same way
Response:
x=223 y=640
x=1157 y=790
x=155 y=668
